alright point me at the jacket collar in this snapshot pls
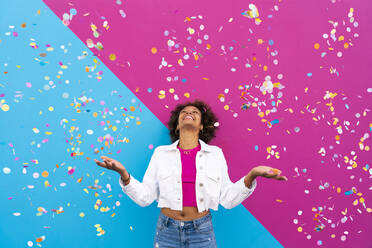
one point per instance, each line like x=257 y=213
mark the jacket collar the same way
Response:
x=203 y=146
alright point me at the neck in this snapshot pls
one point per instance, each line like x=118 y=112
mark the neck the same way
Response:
x=188 y=140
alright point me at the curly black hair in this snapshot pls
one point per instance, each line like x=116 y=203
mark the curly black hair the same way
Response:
x=208 y=120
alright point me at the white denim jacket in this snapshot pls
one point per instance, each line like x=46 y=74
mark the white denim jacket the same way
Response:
x=162 y=180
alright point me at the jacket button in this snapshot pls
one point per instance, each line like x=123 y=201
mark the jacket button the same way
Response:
x=201 y=167
x=200 y=184
x=201 y=199
x=218 y=178
x=178 y=199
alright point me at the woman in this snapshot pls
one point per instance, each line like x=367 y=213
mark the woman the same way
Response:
x=187 y=178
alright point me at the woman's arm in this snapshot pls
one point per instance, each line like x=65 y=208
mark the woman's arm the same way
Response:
x=142 y=193
x=145 y=192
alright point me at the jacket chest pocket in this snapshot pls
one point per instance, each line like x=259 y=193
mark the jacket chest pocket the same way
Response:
x=213 y=181
x=165 y=180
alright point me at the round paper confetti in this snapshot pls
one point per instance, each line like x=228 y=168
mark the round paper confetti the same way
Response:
x=6 y=170
x=112 y=57
x=5 y=107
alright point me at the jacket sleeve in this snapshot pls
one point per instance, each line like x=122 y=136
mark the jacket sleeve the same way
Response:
x=232 y=194
x=146 y=192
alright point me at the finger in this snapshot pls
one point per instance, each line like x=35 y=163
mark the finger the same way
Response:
x=270 y=175
x=100 y=163
x=282 y=178
x=111 y=166
x=107 y=158
x=108 y=165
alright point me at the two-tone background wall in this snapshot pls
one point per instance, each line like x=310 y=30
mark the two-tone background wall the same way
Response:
x=289 y=80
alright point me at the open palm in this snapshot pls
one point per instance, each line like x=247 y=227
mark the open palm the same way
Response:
x=268 y=172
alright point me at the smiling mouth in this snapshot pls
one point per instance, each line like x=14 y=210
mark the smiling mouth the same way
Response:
x=188 y=117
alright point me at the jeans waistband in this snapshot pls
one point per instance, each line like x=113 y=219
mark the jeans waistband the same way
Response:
x=185 y=223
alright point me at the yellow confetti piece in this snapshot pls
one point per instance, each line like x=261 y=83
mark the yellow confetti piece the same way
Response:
x=82 y=215
x=131 y=228
x=187 y=95
x=112 y=57
x=299 y=229
x=278 y=200
x=191 y=30
x=316 y=46
x=5 y=107
x=86 y=191
x=226 y=107
x=44 y=174
x=154 y=50
x=51 y=109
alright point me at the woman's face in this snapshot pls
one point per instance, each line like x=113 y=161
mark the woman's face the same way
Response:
x=190 y=117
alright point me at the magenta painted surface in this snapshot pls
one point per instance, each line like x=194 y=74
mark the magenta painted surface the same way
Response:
x=295 y=27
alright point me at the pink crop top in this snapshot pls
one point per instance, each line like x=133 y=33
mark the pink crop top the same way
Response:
x=188 y=175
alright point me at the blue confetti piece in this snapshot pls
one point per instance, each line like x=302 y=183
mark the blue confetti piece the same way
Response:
x=276 y=121
x=350 y=192
x=73 y=11
x=309 y=74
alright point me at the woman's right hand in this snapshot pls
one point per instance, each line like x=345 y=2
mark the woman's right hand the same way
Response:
x=112 y=164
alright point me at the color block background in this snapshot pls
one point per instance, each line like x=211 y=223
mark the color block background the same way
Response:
x=287 y=92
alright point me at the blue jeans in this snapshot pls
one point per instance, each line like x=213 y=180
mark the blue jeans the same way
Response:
x=172 y=233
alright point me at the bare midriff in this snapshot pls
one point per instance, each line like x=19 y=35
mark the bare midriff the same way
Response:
x=187 y=213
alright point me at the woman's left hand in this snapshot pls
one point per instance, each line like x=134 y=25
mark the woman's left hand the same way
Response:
x=268 y=172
